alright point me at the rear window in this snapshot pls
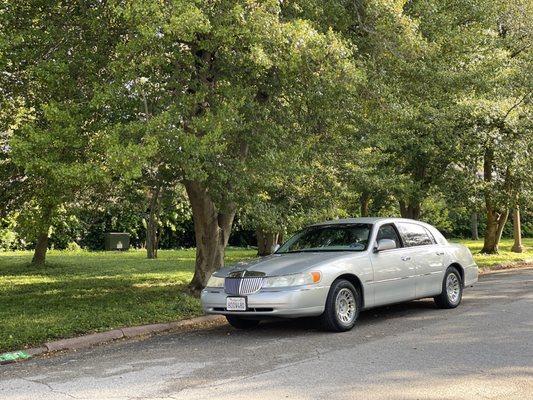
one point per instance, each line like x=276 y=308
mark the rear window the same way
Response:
x=414 y=234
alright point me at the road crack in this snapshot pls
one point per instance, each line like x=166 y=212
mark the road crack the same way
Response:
x=53 y=390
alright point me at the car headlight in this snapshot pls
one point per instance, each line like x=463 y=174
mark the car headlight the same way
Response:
x=215 y=281
x=305 y=278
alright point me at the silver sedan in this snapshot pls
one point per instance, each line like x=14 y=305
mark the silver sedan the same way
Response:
x=335 y=269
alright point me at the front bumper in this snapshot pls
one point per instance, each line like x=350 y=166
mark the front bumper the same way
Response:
x=287 y=303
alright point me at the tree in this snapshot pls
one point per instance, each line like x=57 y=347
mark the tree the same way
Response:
x=51 y=56
x=412 y=53
x=218 y=81
x=304 y=188
x=501 y=137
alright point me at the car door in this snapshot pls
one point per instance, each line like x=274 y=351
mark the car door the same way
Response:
x=427 y=258
x=394 y=271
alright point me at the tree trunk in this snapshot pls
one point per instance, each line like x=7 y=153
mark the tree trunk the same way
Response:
x=496 y=219
x=495 y=224
x=39 y=254
x=501 y=224
x=490 y=241
x=265 y=242
x=151 y=236
x=212 y=228
x=152 y=222
x=517 y=231
x=364 y=201
x=410 y=210
x=260 y=242
x=474 y=226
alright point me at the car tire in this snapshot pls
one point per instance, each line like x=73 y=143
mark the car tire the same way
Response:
x=242 y=323
x=342 y=307
x=452 y=289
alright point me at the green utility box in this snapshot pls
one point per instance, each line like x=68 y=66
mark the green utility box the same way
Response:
x=117 y=241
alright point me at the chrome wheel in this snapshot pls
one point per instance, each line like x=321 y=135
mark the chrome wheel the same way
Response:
x=453 y=288
x=345 y=306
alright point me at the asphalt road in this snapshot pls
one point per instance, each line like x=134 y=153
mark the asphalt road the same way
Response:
x=483 y=349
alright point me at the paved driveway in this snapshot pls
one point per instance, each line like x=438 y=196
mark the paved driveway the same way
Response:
x=483 y=349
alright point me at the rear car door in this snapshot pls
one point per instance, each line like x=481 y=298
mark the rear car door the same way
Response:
x=394 y=272
x=427 y=258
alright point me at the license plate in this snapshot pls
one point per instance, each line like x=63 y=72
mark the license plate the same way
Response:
x=236 y=303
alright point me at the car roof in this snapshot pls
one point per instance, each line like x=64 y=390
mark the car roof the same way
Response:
x=366 y=220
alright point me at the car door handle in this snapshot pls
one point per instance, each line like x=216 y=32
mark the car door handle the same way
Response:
x=406 y=258
x=440 y=253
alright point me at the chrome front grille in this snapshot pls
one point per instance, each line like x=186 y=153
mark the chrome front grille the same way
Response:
x=241 y=285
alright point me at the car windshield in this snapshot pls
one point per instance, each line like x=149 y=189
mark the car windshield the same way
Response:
x=337 y=237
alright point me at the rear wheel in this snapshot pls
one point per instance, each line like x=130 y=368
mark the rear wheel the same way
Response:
x=342 y=307
x=452 y=289
x=242 y=323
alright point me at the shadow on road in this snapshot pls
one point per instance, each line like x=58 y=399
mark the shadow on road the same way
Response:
x=373 y=316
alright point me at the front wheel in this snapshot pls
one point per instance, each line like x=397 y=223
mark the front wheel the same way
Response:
x=342 y=307
x=242 y=323
x=452 y=290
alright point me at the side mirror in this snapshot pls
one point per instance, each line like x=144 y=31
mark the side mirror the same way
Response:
x=275 y=248
x=385 y=244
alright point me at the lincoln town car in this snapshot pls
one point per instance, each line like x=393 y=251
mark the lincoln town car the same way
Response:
x=334 y=270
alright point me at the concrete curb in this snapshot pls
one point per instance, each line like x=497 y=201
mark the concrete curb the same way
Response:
x=131 y=332
x=84 y=341
x=527 y=265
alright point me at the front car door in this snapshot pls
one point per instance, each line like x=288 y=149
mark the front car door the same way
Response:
x=427 y=258
x=394 y=271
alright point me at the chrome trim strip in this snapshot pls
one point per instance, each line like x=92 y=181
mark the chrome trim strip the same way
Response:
x=404 y=277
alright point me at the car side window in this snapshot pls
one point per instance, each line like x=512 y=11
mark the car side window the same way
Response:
x=433 y=240
x=414 y=234
x=388 y=232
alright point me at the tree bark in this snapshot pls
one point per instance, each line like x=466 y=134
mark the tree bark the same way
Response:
x=490 y=242
x=501 y=224
x=152 y=222
x=474 y=226
x=410 y=210
x=212 y=228
x=151 y=236
x=41 y=246
x=495 y=224
x=265 y=242
x=39 y=254
x=496 y=218
x=364 y=201
x=517 y=231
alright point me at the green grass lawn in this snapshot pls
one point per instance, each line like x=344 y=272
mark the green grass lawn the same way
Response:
x=505 y=255
x=80 y=292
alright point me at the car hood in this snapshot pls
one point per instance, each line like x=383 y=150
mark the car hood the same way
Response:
x=291 y=263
